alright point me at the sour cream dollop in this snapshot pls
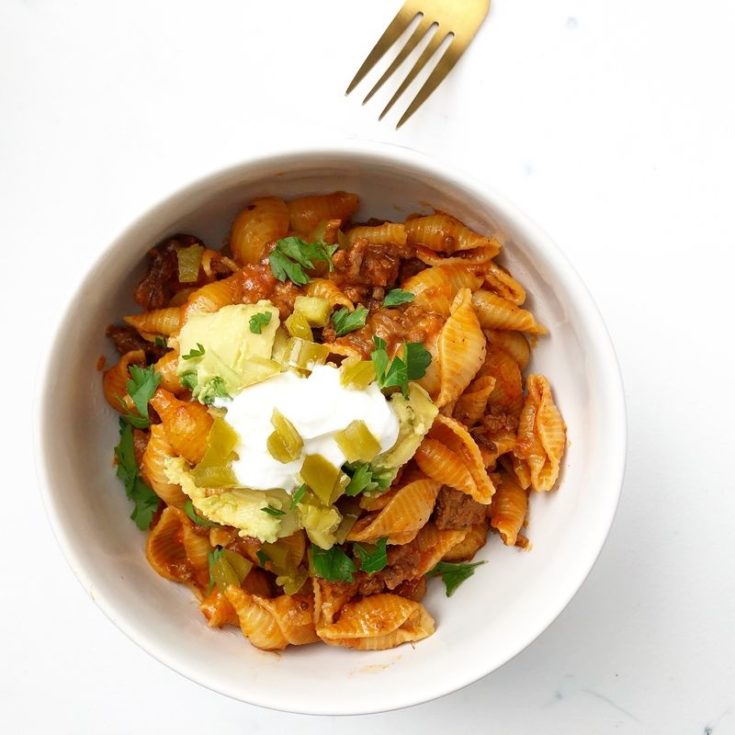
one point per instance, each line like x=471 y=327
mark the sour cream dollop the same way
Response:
x=318 y=406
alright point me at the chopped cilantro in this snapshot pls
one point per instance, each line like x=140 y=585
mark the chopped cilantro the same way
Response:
x=292 y=254
x=364 y=478
x=273 y=511
x=195 y=352
x=215 y=388
x=398 y=371
x=141 y=387
x=372 y=558
x=298 y=495
x=263 y=558
x=258 y=321
x=194 y=516
x=453 y=574
x=213 y=557
x=398 y=296
x=144 y=499
x=346 y=321
x=189 y=379
x=160 y=342
x=332 y=564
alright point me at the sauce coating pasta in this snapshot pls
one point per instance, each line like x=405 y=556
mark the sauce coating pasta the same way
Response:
x=419 y=315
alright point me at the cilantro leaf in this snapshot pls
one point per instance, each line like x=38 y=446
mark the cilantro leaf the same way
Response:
x=398 y=371
x=213 y=557
x=332 y=564
x=346 y=321
x=374 y=557
x=453 y=574
x=215 y=388
x=258 y=321
x=398 y=296
x=194 y=516
x=160 y=341
x=364 y=478
x=144 y=499
x=263 y=558
x=273 y=511
x=189 y=379
x=298 y=495
x=197 y=351
x=291 y=255
x=141 y=387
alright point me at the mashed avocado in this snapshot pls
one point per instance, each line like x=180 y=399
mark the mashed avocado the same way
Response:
x=240 y=508
x=415 y=415
x=234 y=355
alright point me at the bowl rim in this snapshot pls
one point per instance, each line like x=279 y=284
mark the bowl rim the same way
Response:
x=436 y=170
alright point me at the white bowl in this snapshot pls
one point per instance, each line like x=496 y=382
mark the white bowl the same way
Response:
x=493 y=616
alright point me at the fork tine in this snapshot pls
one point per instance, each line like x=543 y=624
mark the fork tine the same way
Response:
x=446 y=63
x=411 y=44
x=397 y=26
x=427 y=53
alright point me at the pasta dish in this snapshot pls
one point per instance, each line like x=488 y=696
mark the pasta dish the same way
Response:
x=324 y=415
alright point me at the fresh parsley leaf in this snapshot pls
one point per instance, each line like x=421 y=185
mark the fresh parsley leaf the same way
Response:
x=453 y=574
x=160 y=342
x=333 y=564
x=215 y=388
x=213 y=556
x=263 y=558
x=364 y=478
x=346 y=321
x=418 y=359
x=195 y=352
x=258 y=321
x=398 y=371
x=141 y=387
x=291 y=255
x=273 y=511
x=189 y=379
x=194 y=516
x=372 y=558
x=298 y=496
x=398 y=296
x=144 y=499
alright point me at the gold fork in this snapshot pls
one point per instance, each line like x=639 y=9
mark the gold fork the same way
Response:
x=457 y=18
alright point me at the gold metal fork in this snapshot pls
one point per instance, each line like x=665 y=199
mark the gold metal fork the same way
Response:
x=459 y=19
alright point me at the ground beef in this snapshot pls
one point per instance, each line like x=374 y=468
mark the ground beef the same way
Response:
x=413 y=589
x=403 y=563
x=127 y=339
x=457 y=510
x=410 y=268
x=161 y=281
x=370 y=265
x=369 y=584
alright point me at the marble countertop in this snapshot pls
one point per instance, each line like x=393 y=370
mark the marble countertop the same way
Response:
x=611 y=124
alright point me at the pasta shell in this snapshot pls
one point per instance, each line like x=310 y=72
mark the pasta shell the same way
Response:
x=210 y=258
x=307 y=212
x=471 y=405
x=431 y=381
x=435 y=288
x=467 y=258
x=508 y=512
x=159 y=321
x=213 y=297
x=115 y=381
x=389 y=233
x=502 y=444
x=157 y=451
x=167 y=368
x=444 y=466
x=173 y=553
x=474 y=540
x=522 y=472
x=372 y=503
x=326 y=289
x=507 y=394
x=273 y=624
x=260 y=223
x=444 y=233
x=495 y=312
x=461 y=348
x=218 y=611
x=514 y=343
x=186 y=424
x=378 y=622
x=434 y=544
x=456 y=437
x=499 y=281
x=541 y=434
x=404 y=514
x=329 y=599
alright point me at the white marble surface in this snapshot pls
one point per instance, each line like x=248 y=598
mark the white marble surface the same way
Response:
x=611 y=123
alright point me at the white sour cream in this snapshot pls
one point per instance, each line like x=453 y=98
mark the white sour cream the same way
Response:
x=318 y=406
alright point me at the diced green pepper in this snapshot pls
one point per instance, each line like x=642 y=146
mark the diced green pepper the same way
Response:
x=240 y=565
x=314 y=308
x=214 y=469
x=303 y=354
x=189 y=260
x=298 y=326
x=357 y=374
x=292 y=583
x=357 y=443
x=223 y=574
x=321 y=476
x=285 y=443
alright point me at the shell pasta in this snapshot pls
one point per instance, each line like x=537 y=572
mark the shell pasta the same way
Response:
x=327 y=414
